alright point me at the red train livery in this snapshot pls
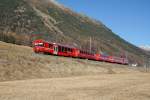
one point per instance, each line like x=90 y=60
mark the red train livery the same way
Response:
x=41 y=46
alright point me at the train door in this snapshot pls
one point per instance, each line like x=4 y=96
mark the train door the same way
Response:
x=76 y=52
x=46 y=45
x=55 y=49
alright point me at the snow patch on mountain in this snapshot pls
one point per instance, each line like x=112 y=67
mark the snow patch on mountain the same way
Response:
x=146 y=47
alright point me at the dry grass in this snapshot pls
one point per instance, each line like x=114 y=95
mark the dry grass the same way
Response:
x=94 y=87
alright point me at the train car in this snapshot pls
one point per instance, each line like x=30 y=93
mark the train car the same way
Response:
x=86 y=55
x=66 y=50
x=104 y=58
x=118 y=60
x=41 y=46
x=54 y=48
x=113 y=59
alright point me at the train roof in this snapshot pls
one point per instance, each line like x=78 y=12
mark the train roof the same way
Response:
x=40 y=40
x=64 y=45
x=54 y=43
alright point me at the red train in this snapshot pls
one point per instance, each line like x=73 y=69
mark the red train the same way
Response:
x=71 y=51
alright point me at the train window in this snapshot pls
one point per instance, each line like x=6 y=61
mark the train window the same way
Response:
x=59 y=48
x=69 y=49
x=63 y=49
x=50 y=45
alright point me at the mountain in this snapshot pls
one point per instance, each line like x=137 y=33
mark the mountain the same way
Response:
x=25 y=20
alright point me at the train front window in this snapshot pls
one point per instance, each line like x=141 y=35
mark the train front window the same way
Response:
x=39 y=44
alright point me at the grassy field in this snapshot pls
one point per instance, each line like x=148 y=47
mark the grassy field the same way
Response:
x=25 y=75
x=93 y=87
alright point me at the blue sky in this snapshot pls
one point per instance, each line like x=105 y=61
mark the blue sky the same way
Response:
x=130 y=19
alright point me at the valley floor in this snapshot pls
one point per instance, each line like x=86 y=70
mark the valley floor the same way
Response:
x=93 y=87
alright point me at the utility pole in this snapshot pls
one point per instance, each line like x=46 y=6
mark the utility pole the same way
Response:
x=145 y=63
x=126 y=55
x=149 y=64
x=56 y=38
x=90 y=44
